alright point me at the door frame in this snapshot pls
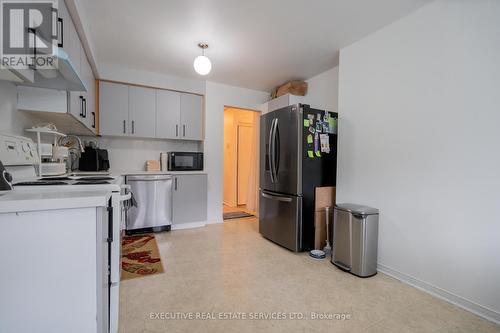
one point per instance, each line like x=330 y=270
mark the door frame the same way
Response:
x=257 y=154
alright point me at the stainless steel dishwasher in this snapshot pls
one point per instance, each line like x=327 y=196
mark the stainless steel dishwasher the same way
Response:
x=151 y=208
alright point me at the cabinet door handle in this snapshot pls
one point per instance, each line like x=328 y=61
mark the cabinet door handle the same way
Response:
x=177 y=130
x=81 y=106
x=60 y=33
x=175 y=183
x=184 y=130
x=84 y=108
x=93 y=119
x=33 y=31
x=133 y=127
x=124 y=126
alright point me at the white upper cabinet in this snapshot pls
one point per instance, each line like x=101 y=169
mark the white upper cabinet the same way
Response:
x=191 y=117
x=168 y=114
x=71 y=40
x=149 y=113
x=88 y=96
x=113 y=109
x=142 y=111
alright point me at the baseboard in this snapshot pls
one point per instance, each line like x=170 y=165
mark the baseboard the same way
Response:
x=215 y=221
x=188 y=225
x=440 y=293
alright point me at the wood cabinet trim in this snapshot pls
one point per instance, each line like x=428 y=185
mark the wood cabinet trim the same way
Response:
x=148 y=86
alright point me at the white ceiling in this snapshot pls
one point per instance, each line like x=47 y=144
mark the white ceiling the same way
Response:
x=256 y=44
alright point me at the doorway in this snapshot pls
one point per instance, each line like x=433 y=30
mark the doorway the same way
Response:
x=241 y=158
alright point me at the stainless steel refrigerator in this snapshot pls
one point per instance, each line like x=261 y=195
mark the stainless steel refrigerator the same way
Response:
x=298 y=152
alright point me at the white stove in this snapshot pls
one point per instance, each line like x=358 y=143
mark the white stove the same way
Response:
x=19 y=157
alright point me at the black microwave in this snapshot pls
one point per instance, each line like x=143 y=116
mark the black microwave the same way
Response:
x=184 y=161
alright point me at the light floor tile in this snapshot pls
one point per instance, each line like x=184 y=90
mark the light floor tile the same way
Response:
x=230 y=267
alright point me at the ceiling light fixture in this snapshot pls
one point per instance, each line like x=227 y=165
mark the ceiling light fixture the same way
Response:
x=202 y=65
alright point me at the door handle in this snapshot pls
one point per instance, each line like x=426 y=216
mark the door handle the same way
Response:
x=93 y=119
x=84 y=108
x=271 y=151
x=176 y=130
x=81 y=106
x=184 y=130
x=276 y=197
x=124 y=126
x=133 y=127
x=272 y=156
x=276 y=150
x=60 y=33
x=175 y=183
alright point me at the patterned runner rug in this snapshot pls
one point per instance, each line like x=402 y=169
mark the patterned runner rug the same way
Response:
x=140 y=256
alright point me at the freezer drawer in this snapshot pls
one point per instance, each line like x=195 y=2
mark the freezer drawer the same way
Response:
x=280 y=219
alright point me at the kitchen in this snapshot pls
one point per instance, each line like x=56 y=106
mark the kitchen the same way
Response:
x=383 y=73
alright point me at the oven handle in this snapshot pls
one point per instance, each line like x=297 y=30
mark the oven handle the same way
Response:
x=126 y=197
x=128 y=192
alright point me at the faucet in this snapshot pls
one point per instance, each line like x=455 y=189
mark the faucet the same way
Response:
x=73 y=156
x=79 y=141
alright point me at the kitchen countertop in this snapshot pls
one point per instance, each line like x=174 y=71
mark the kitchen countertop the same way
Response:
x=17 y=201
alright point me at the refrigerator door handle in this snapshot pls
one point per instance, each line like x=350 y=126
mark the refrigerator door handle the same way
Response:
x=276 y=146
x=271 y=150
x=276 y=197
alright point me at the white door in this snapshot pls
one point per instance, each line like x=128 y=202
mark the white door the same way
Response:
x=191 y=117
x=245 y=161
x=113 y=109
x=142 y=108
x=168 y=116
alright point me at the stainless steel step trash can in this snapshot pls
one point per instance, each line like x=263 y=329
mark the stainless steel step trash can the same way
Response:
x=355 y=239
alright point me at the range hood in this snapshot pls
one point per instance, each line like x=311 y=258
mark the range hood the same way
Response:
x=43 y=105
x=17 y=75
x=64 y=77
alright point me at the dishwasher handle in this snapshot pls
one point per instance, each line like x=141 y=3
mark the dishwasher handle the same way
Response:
x=148 y=177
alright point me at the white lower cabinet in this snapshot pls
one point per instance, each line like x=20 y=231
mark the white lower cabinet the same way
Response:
x=57 y=280
x=189 y=200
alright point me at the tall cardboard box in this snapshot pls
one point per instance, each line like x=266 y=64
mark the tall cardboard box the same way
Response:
x=324 y=197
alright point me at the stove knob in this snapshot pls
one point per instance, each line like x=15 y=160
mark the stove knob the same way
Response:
x=26 y=147
x=8 y=177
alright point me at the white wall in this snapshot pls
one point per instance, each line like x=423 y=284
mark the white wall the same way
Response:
x=130 y=154
x=419 y=138
x=217 y=96
x=11 y=120
x=322 y=90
